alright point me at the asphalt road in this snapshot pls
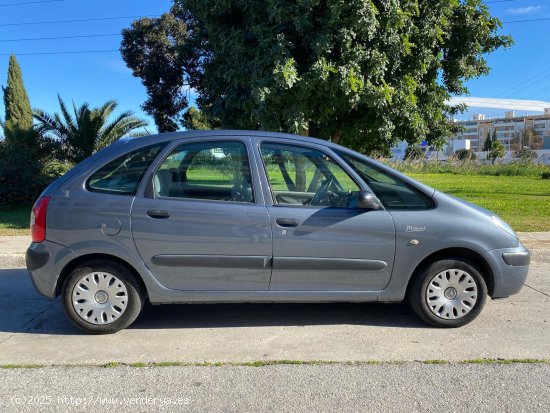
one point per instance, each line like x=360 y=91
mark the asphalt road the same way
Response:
x=34 y=330
x=281 y=388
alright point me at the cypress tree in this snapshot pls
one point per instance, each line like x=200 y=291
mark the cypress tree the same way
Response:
x=488 y=142
x=16 y=101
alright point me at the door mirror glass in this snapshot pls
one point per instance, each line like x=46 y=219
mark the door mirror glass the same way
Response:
x=367 y=200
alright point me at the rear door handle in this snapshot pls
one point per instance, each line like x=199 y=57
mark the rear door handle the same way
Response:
x=287 y=222
x=158 y=213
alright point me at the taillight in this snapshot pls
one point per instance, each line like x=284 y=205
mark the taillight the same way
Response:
x=38 y=219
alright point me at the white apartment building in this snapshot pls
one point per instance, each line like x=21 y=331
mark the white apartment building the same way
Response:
x=476 y=130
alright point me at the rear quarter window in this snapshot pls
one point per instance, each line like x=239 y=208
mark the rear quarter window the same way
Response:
x=124 y=174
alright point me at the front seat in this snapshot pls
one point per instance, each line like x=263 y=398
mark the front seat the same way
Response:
x=163 y=181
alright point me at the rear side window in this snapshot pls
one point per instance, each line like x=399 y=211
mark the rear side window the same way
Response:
x=123 y=175
x=214 y=171
x=394 y=192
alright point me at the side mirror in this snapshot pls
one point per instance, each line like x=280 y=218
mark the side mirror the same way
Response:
x=367 y=200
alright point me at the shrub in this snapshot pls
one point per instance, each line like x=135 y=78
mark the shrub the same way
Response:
x=414 y=153
x=21 y=176
x=468 y=167
x=525 y=154
x=545 y=175
x=55 y=168
x=465 y=154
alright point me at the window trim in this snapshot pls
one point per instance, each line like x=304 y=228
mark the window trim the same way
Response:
x=89 y=188
x=149 y=191
x=326 y=151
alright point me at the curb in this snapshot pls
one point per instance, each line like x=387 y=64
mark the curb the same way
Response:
x=540 y=256
x=9 y=261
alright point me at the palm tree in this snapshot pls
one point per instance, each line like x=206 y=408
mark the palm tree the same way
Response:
x=88 y=129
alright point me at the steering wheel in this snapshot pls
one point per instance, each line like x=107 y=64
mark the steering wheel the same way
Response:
x=323 y=194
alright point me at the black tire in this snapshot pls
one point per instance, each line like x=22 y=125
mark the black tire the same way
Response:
x=420 y=289
x=134 y=294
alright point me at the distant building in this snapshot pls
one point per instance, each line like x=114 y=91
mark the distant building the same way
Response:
x=475 y=133
x=476 y=130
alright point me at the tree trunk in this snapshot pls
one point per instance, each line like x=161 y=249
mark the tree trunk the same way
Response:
x=300 y=166
x=336 y=136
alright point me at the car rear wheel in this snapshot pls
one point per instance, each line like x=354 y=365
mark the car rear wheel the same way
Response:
x=448 y=293
x=102 y=297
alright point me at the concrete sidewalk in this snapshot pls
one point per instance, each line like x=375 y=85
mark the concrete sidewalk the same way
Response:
x=35 y=330
x=12 y=248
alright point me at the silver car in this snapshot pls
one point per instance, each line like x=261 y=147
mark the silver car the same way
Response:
x=243 y=216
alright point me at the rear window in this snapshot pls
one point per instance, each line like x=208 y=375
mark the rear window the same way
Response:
x=123 y=175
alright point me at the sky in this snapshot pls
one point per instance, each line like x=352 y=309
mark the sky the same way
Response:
x=519 y=77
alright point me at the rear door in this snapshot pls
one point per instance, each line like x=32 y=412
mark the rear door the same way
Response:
x=321 y=242
x=202 y=224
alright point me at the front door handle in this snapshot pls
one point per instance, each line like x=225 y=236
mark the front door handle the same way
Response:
x=158 y=213
x=287 y=222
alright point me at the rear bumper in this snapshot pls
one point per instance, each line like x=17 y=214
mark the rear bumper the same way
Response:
x=36 y=259
x=45 y=260
x=510 y=268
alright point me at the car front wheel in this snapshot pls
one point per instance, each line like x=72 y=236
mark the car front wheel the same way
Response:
x=448 y=293
x=102 y=297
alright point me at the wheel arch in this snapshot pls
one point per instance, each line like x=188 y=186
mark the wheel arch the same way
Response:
x=76 y=262
x=466 y=254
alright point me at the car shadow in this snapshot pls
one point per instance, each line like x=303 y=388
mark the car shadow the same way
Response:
x=23 y=310
x=275 y=314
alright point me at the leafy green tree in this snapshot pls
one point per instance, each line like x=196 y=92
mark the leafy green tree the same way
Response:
x=364 y=73
x=87 y=129
x=194 y=119
x=24 y=152
x=152 y=48
x=18 y=117
x=497 y=151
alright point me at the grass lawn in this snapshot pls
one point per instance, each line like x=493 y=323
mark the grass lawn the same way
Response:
x=15 y=221
x=523 y=202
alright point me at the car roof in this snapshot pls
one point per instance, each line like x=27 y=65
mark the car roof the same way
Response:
x=255 y=135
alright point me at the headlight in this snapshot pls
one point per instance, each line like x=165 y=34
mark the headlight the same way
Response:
x=503 y=226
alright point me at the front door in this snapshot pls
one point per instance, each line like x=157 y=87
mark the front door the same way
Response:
x=201 y=228
x=321 y=241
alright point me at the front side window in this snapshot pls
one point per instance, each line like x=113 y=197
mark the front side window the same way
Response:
x=216 y=171
x=123 y=175
x=394 y=192
x=305 y=176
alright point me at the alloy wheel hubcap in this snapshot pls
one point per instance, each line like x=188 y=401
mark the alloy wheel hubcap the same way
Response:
x=100 y=298
x=451 y=294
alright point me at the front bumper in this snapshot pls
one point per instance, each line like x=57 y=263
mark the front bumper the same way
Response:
x=45 y=261
x=510 y=268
